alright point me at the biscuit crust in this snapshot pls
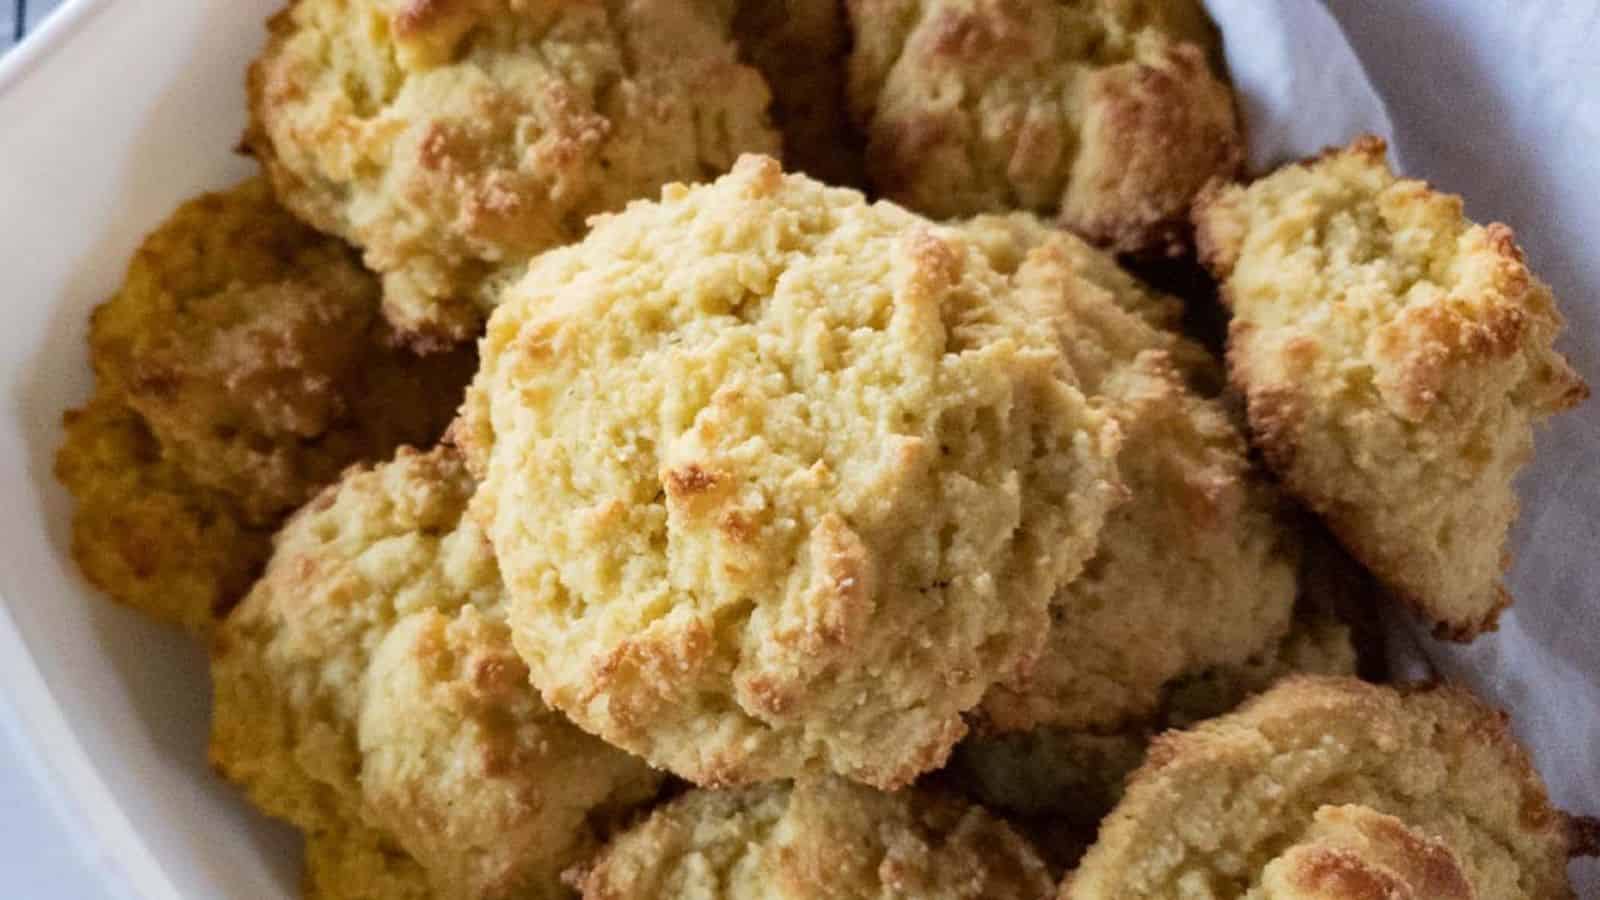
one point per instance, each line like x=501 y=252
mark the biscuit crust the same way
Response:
x=1356 y=853
x=1106 y=116
x=781 y=482
x=1214 y=807
x=367 y=692
x=452 y=141
x=1197 y=568
x=142 y=530
x=239 y=368
x=1394 y=357
x=824 y=838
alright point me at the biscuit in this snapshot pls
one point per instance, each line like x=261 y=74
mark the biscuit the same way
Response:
x=800 y=47
x=451 y=142
x=144 y=532
x=1211 y=809
x=1394 y=358
x=1107 y=117
x=818 y=838
x=239 y=368
x=252 y=346
x=368 y=682
x=1197 y=569
x=781 y=482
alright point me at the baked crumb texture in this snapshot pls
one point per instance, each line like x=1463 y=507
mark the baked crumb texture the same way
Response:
x=142 y=531
x=1356 y=853
x=1395 y=358
x=367 y=692
x=1106 y=116
x=240 y=366
x=1197 y=568
x=1334 y=788
x=781 y=482
x=452 y=141
x=822 y=838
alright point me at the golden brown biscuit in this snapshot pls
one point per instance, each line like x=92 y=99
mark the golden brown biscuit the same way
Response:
x=289 y=662
x=493 y=792
x=453 y=141
x=252 y=346
x=780 y=482
x=240 y=367
x=142 y=530
x=1356 y=853
x=1197 y=569
x=1395 y=358
x=1211 y=808
x=800 y=47
x=368 y=682
x=825 y=838
x=1106 y=116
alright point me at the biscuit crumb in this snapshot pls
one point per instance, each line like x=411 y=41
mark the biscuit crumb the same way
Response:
x=791 y=489
x=1107 y=117
x=816 y=839
x=452 y=142
x=1331 y=783
x=1394 y=358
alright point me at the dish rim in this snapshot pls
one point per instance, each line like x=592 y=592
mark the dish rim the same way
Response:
x=115 y=857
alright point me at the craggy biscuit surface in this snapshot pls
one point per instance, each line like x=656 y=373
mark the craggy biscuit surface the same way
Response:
x=1007 y=239
x=1356 y=853
x=142 y=530
x=1106 y=116
x=1394 y=357
x=368 y=682
x=453 y=141
x=1211 y=809
x=825 y=838
x=252 y=346
x=240 y=367
x=1197 y=569
x=780 y=482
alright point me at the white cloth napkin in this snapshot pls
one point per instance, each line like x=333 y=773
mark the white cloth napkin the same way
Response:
x=1499 y=102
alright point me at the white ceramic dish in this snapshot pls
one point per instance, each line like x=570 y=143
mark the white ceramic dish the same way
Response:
x=112 y=112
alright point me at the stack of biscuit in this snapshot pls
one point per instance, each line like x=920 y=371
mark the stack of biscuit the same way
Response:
x=577 y=500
